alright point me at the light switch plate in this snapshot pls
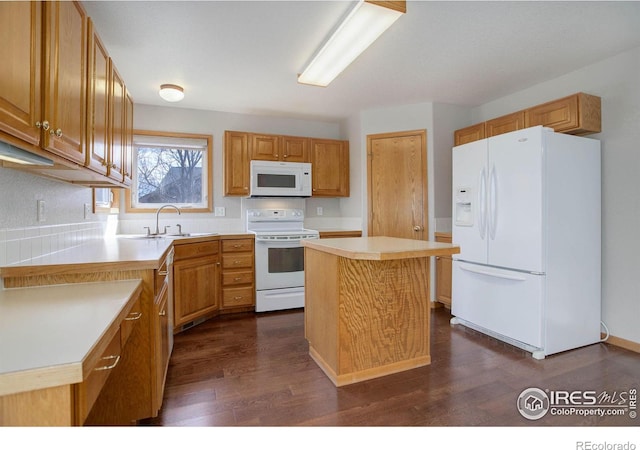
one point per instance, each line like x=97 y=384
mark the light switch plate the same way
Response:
x=219 y=211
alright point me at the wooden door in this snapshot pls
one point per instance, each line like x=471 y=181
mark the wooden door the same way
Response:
x=65 y=87
x=397 y=184
x=20 y=54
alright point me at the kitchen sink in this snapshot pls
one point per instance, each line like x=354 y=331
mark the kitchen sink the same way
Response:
x=165 y=236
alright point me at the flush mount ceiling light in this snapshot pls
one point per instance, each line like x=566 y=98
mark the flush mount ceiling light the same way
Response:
x=171 y=92
x=362 y=26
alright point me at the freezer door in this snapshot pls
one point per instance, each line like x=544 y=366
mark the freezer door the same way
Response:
x=515 y=208
x=502 y=301
x=469 y=206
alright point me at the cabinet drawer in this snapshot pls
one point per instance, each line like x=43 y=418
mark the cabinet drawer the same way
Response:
x=237 y=245
x=236 y=278
x=90 y=388
x=130 y=322
x=237 y=297
x=186 y=251
x=233 y=261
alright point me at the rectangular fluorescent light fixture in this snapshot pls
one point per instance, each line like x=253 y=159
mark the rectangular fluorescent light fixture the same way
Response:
x=362 y=26
x=19 y=156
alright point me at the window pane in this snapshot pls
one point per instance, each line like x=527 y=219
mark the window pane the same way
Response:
x=169 y=176
x=171 y=170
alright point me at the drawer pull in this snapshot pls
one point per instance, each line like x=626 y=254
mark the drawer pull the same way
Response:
x=111 y=366
x=163 y=272
x=237 y=245
x=133 y=316
x=237 y=262
x=238 y=297
x=163 y=313
x=237 y=279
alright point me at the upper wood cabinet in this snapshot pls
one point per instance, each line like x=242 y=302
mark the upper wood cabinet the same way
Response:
x=504 y=124
x=267 y=147
x=117 y=126
x=65 y=80
x=98 y=122
x=127 y=145
x=469 y=134
x=56 y=94
x=295 y=149
x=329 y=159
x=329 y=168
x=578 y=114
x=43 y=78
x=20 y=101
x=236 y=163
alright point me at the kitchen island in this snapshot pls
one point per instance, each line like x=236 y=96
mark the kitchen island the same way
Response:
x=367 y=306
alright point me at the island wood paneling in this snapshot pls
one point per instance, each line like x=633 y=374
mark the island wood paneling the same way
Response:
x=366 y=318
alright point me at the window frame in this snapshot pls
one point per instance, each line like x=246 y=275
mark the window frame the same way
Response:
x=129 y=208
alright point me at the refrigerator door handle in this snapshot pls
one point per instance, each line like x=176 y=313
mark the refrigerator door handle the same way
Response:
x=493 y=203
x=490 y=273
x=482 y=201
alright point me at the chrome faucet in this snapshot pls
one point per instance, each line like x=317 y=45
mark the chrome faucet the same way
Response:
x=158 y=216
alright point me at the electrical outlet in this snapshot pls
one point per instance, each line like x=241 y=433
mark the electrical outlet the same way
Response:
x=219 y=211
x=40 y=211
x=87 y=210
x=319 y=210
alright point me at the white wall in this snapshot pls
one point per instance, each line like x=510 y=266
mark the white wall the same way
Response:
x=616 y=81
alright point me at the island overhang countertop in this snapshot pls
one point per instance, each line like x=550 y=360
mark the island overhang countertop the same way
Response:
x=381 y=248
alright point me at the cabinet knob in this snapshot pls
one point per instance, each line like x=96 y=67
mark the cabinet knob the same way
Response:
x=44 y=125
x=417 y=228
x=57 y=133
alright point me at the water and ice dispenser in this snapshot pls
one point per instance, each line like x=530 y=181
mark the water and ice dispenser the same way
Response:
x=463 y=206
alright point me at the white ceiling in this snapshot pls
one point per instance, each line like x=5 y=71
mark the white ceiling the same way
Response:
x=244 y=56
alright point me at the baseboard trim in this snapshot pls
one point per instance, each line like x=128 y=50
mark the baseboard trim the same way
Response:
x=623 y=343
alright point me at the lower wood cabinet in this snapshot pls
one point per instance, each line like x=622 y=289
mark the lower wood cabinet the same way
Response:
x=238 y=275
x=196 y=274
x=443 y=273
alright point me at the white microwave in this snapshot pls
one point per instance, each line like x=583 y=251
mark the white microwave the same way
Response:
x=280 y=179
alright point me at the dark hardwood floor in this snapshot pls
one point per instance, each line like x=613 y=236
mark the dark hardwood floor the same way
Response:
x=254 y=370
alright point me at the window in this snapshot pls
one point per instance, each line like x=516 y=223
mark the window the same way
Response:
x=171 y=168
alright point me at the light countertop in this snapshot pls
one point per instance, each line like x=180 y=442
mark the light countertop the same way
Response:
x=47 y=332
x=381 y=247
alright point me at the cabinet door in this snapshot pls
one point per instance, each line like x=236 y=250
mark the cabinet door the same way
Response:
x=98 y=104
x=469 y=134
x=195 y=288
x=236 y=163
x=265 y=147
x=504 y=124
x=575 y=114
x=163 y=352
x=65 y=80
x=295 y=149
x=329 y=168
x=127 y=145
x=118 y=124
x=20 y=102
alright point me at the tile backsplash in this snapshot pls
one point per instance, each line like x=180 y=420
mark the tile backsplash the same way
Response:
x=19 y=245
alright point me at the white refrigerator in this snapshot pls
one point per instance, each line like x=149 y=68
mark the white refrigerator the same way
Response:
x=526 y=215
